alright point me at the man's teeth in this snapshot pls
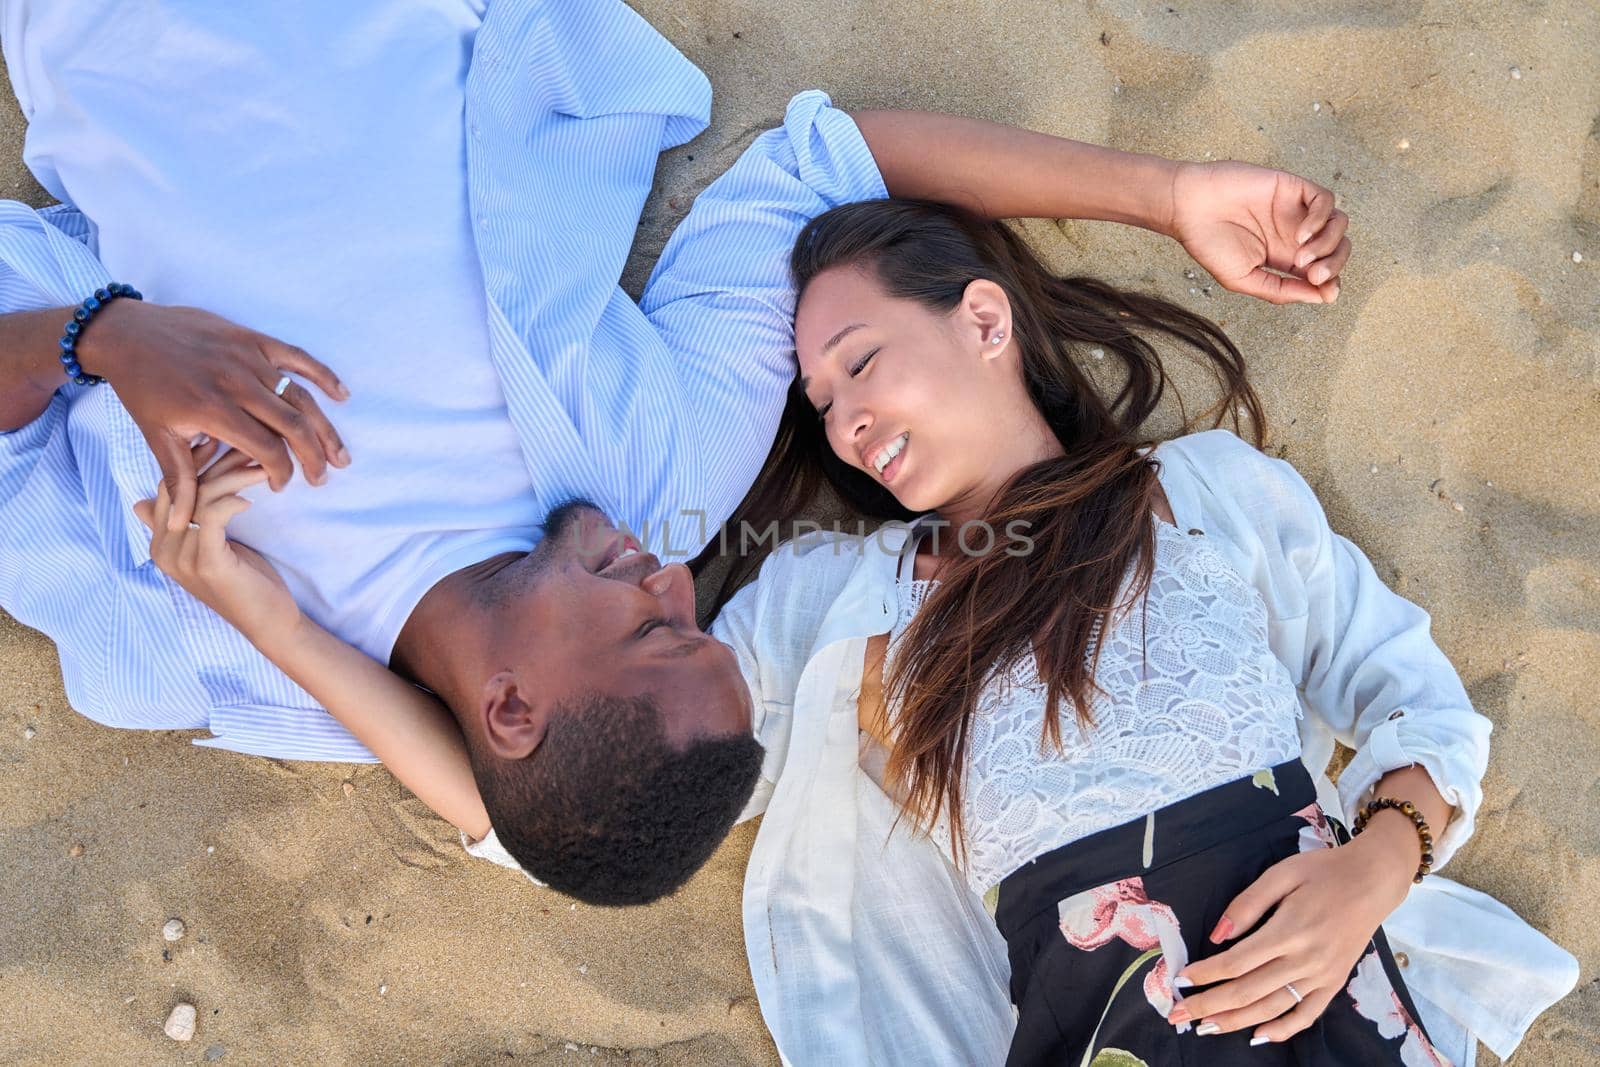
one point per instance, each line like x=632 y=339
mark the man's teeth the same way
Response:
x=625 y=553
x=891 y=450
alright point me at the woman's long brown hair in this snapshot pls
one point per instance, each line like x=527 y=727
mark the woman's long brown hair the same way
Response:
x=1089 y=512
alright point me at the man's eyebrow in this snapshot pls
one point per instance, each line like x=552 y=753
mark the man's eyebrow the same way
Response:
x=687 y=648
x=805 y=383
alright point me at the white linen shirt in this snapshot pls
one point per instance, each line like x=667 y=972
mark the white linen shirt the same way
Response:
x=550 y=116
x=868 y=948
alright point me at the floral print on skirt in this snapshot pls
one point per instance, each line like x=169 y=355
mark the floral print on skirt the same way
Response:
x=1097 y=930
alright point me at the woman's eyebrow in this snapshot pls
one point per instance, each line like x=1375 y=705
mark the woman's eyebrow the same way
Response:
x=832 y=342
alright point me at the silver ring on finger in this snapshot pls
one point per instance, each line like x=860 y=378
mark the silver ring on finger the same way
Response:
x=282 y=386
x=194 y=526
x=1295 y=993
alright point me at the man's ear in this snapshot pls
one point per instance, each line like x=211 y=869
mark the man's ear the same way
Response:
x=512 y=728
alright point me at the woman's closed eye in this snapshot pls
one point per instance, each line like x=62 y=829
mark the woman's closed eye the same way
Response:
x=855 y=368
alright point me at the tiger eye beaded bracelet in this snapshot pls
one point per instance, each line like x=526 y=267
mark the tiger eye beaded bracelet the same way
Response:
x=80 y=322
x=1409 y=810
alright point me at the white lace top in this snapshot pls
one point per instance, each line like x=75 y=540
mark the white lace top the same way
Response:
x=1194 y=698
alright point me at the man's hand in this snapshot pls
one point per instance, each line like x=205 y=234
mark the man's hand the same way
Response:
x=230 y=579
x=1242 y=223
x=182 y=372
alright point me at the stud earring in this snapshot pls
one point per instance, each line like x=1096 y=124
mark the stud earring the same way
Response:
x=999 y=336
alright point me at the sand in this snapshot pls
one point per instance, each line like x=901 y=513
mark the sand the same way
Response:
x=1447 y=409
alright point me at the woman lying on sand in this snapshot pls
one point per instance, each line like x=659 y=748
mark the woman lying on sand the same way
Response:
x=1097 y=707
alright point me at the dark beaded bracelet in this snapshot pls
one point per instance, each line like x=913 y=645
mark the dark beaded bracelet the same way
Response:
x=80 y=321
x=1409 y=810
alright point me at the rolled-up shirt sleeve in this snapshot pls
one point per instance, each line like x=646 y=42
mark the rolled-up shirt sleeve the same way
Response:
x=1366 y=661
x=55 y=574
x=722 y=297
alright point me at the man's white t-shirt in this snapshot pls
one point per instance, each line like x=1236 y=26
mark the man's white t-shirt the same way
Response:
x=301 y=169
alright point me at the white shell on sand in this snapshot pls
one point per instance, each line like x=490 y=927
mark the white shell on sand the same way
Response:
x=172 y=929
x=180 y=1024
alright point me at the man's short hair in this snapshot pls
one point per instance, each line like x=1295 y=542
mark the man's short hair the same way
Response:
x=606 y=810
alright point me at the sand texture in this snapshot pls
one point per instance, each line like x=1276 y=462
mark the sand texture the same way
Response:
x=1447 y=409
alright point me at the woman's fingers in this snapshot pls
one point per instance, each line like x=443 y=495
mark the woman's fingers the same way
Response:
x=1297 y=1019
x=1243 y=994
x=213 y=535
x=1319 y=208
x=1275 y=288
x=177 y=478
x=1323 y=242
x=228 y=483
x=163 y=506
x=1327 y=269
x=1261 y=896
x=236 y=459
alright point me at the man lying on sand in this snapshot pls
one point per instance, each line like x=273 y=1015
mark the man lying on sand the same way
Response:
x=440 y=208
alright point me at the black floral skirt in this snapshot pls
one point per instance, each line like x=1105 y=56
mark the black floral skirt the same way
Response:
x=1097 y=930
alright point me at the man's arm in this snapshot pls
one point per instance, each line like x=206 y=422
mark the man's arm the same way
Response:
x=30 y=371
x=180 y=372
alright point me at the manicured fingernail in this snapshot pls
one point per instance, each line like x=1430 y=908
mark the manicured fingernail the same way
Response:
x=1223 y=931
x=1207 y=1029
x=343 y=456
x=1318 y=276
x=1303 y=237
x=1179 y=1015
x=1181 y=982
x=1302 y=259
x=344 y=391
x=1255 y=1041
x=1335 y=295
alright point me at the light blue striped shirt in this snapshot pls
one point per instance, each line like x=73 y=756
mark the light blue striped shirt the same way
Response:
x=651 y=409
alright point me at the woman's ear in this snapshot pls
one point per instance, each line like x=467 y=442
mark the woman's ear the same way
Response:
x=512 y=728
x=986 y=312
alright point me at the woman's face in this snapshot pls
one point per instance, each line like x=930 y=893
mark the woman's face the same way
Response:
x=930 y=405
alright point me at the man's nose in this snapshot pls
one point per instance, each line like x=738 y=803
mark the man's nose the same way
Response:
x=673 y=585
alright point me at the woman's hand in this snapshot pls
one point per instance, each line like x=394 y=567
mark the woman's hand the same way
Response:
x=1326 y=905
x=230 y=579
x=1242 y=223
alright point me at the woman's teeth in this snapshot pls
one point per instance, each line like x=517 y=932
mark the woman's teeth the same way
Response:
x=890 y=450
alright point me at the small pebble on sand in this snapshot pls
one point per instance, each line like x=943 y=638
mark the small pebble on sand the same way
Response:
x=583 y=968
x=29 y=733
x=215 y=1053
x=1516 y=73
x=1317 y=106
x=1372 y=469
x=1098 y=353
x=172 y=930
x=180 y=1024
x=1455 y=505
x=75 y=851
x=1403 y=144
x=348 y=787
x=1577 y=257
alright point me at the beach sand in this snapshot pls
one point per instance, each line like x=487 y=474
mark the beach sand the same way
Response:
x=1447 y=409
